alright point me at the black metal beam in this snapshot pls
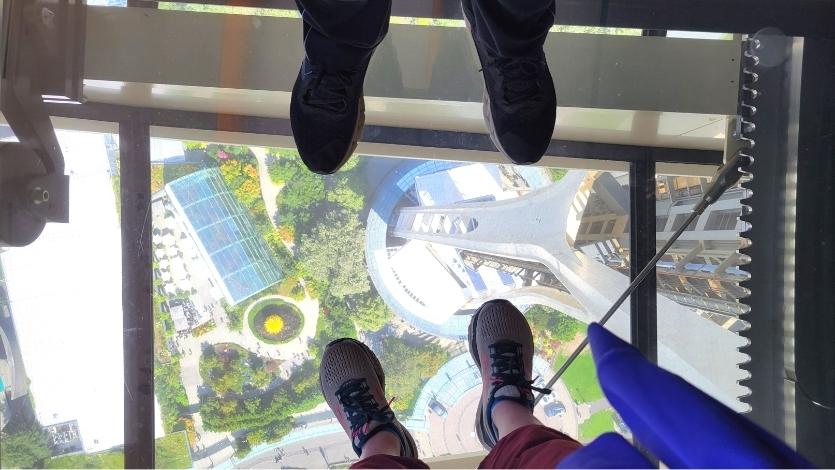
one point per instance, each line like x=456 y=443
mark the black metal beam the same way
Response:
x=643 y=315
x=137 y=282
x=767 y=245
x=382 y=134
x=815 y=257
x=811 y=18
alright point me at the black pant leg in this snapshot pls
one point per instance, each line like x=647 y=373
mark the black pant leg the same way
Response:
x=512 y=28
x=341 y=34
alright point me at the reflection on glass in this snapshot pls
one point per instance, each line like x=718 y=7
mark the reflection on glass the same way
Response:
x=61 y=387
x=701 y=270
x=701 y=274
x=404 y=20
x=259 y=263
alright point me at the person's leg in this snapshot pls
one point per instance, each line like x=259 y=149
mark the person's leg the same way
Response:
x=513 y=28
x=353 y=384
x=342 y=34
x=327 y=111
x=501 y=344
x=530 y=446
x=520 y=101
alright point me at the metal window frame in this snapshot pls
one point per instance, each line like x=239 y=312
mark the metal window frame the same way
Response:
x=800 y=18
x=811 y=18
x=134 y=137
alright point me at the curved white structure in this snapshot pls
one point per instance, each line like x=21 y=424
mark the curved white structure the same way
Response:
x=533 y=227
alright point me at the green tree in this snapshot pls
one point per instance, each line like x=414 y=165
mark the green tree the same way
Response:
x=334 y=323
x=24 y=448
x=235 y=315
x=256 y=436
x=546 y=321
x=170 y=393
x=333 y=254
x=407 y=367
x=346 y=197
x=242 y=448
x=371 y=312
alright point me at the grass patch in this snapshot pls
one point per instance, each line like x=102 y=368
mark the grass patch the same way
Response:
x=172 y=451
x=557 y=173
x=292 y=321
x=203 y=329
x=597 y=424
x=164 y=173
x=106 y=459
x=581 y=379
x=290 y=287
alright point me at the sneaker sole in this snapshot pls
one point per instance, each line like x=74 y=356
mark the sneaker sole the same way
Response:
x=381 y=376
x=358 y=127
x=485 y=97
x=480 y=425
x=486 y=110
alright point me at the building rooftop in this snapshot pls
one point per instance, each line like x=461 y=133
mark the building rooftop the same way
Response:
x=68 y=314
x=235 y=252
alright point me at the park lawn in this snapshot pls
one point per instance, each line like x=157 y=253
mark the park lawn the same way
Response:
x=581 y=379
x=164 y=173
x=172 y=451
x=106 y=459
x=597 y=424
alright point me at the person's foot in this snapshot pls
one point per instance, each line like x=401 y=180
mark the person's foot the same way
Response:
x=501 y=345
x=519 y=102
x=327 y=113
x=353 y=384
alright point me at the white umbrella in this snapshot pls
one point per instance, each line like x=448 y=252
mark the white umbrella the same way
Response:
x=178 y=271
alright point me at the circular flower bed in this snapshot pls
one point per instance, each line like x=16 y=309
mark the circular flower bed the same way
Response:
x=275 y=322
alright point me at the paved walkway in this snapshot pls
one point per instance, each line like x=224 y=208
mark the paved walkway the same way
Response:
x=599 y=405
x=269 y=189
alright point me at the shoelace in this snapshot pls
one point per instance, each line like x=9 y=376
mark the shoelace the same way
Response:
x=520 y=78
x=328 y=90
x=509 y=369
x=360 y=406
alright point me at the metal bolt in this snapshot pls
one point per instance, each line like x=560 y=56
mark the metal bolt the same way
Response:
x=39 y=195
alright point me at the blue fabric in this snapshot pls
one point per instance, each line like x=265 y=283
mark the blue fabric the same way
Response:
x=609 y=450
x=679 y=424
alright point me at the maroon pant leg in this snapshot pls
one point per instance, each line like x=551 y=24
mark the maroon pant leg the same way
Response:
x=389 y=461
x=533 y=446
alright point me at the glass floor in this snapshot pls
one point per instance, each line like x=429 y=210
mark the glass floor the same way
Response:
x=257 y=263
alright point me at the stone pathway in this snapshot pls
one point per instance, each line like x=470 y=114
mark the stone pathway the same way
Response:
x=269 y=189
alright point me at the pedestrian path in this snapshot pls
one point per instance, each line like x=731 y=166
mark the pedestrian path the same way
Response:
x=269 y=189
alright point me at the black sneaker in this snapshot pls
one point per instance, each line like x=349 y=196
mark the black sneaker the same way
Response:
x=327 y=113
x=520 y=103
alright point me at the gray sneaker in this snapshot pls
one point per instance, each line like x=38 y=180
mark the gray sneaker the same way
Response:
x=501 y=344
x=353 y=384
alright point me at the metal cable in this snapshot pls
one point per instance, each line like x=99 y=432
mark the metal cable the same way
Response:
x=726 y=177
